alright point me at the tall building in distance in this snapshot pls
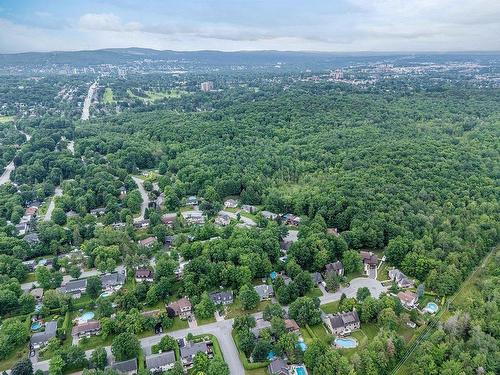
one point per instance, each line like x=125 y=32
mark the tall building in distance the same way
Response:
x=207 y=86
x=337 y=75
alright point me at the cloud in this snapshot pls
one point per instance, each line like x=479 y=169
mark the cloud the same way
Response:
x=106 y=22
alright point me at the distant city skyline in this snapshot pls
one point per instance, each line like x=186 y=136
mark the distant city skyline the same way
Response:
x=233 y=25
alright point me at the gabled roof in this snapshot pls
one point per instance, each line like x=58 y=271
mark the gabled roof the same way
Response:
x=222 y=296
x=74 y=285
x=190 y=349
x=129 y=365
x=341 y=320
x=159 y=360
x=89 y=326
x=112 y=279
x=278 y=367
x=45 y=336
x=335 y=266
x=264 y=290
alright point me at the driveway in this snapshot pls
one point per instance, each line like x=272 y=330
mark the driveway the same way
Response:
x=376 y=289
x=245 y=220
x=48 y=215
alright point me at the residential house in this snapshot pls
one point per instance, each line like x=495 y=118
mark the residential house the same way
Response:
x=249 y=208
x=291 y=219
x=317 y=278
x=29 y=264
x=343 y=323
x=148 y=242
x=22 y=228
x=160 y=362
x=287 y=241
x=41 y=339
x=223 y=220
x=118 y=225
x=370 y=262
x=32 y=238
x=181 y=308
x=260 y=324
x=333 y=231
x=111 y=280
x=269 y=215
x=144 y=274
x=169 y=219
x=98 y=211
x=222 y=297
x=74 y=287
x=31 y=211
x=191 y=201
x=190 y=349
x=400 y=278
x=37 y=293
x=91 y=327
x=231 y=203
x=194 y=217
x=278 y=367
x=141 y=224
x=335 y=267
x=408 y=299
x=128 y=367
x=265 y=292
x=291 y=325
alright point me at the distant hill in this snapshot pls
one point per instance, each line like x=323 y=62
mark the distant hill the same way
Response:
x=124 y=55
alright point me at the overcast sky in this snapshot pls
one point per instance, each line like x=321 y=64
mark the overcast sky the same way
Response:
x=321 y=25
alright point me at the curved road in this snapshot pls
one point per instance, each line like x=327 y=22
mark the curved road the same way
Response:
x=5 y=177
x=48 y=215
x=144 y=195
x=222 y=330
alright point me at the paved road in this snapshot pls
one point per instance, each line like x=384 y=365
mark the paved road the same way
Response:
x=48 y=215
x=88 y=101
x=144 y=195
x=243 y=219
x=5 y=177
x=376 y=289
x=222 y=330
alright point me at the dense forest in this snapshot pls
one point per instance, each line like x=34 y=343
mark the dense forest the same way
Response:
x=406 y=170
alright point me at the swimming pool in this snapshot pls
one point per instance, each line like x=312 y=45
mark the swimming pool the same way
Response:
x=302 y=345
x=106 y=294
x=86 y=316
x=300 y=370
x=36 y=326
x=346 y=343
x=431 y=307
x=271 y=355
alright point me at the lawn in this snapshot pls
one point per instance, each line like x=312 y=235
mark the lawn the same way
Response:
x=315 y=292
x=353 y=275
x=4 y=119
x=235 y=309
x=95 y=341
x=217 y=350
x=17 y=354
x=178 y=324
x=331 y=308
x=30 y=277
x=152 y=96
x=321 y=333
x=107 y=97
x=257 y=371
x=205 y=321
x=383 y=272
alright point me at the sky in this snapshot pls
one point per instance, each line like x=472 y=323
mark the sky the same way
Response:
x=229 y=25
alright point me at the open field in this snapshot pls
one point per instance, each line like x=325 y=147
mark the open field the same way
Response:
x=4 y=119
x=107 y=97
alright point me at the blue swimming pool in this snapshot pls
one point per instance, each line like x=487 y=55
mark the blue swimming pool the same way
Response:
x=300 y=371
x=36 y=326
x=89 y=315
x=273 y=275
x=271 y=355
x=346 y=343
x=302 y=345
x=432 y=307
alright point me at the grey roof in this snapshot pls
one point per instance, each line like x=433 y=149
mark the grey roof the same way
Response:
x=316 y=277
x=278 y=366
x=336 y=266
x=45 y=336
x=190 y=350
x=158 y=360
x=32 y=238
x=260 y=324
x=341 y=320
x=125 y=366
x=264 y=290
x=112 y=279
x=220 y=297
x=74 y=285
